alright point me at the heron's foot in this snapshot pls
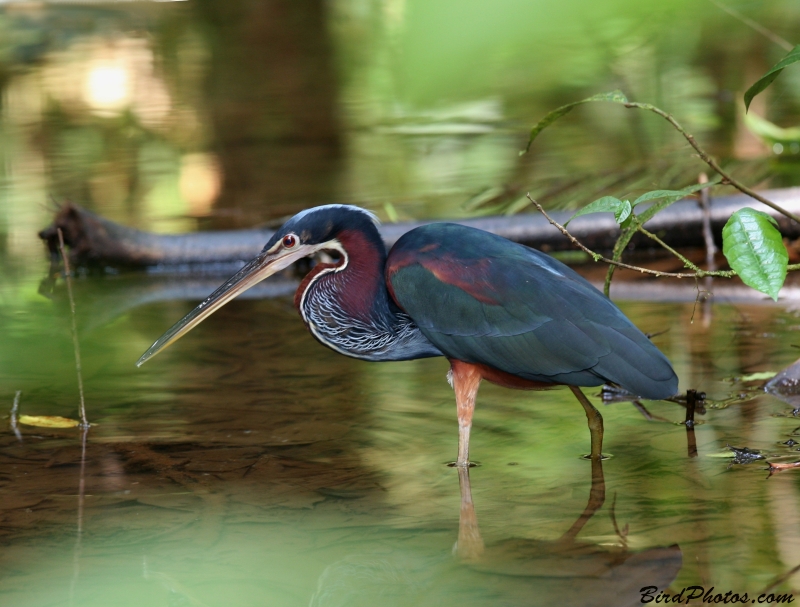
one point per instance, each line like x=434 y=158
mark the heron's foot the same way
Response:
x=603 y=456
x=465 y=464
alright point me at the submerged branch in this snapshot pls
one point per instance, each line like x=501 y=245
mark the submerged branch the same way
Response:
x=94 y=241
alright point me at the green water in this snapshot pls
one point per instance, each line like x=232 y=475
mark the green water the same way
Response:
x=248 y=465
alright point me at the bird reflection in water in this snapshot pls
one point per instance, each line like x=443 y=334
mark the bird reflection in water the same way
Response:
x=516 y=571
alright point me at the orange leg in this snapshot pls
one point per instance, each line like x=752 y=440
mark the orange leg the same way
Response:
x=465 y=379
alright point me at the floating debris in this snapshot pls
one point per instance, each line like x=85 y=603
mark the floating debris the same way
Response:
x=779 y=467
x=745 y=455
x=48 y=421
x=758 y=376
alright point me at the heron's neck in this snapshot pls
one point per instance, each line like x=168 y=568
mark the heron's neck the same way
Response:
x=355 y=282
x=347 y=307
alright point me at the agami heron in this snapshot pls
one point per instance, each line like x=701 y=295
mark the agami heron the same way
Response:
x=497 y=310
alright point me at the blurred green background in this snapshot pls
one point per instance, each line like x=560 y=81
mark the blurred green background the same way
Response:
x=183 y=115
x=210 y=114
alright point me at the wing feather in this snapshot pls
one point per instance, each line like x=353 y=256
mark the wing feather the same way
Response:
x=483 y=299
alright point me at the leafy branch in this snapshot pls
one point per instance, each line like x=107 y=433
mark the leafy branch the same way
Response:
x=620 y=98
x=751 y=242
x=696 y=271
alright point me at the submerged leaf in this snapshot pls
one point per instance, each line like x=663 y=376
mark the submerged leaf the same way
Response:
x=606 y=204
x=758 y=376
x=613 y=96
x=774 y=71
x=754 y=248
x=47 y=421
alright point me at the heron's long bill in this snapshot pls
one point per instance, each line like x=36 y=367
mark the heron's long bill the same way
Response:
x=251 y=274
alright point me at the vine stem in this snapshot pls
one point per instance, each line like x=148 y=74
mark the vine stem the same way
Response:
x=696 y=273
x=685 y=261
x=710 y=161
x=597 y=257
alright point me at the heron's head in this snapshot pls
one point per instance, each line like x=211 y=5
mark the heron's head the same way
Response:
x=305 y=234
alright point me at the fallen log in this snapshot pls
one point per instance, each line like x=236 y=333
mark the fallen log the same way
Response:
x=97 y=242
x=102 y=300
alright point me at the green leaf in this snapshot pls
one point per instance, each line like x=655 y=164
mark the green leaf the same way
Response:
x=620 y=208
x=669 y=196
x=766 y=79
x=613 y=96
x=628 y=230
x=656 y=194
x=754 y=248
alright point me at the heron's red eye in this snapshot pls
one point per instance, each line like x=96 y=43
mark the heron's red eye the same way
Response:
x=289 y=241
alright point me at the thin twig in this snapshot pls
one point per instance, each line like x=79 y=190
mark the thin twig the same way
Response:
x=705 y=294
x=697 y=273
x=598 y=257
x=652 y=236
x=780 y=580
x=785 y=44
x=711 y=249
x=708 y=236
x=84 y=422
x=727 y=179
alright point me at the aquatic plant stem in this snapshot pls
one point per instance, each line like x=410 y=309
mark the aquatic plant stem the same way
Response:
x=76 y=346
